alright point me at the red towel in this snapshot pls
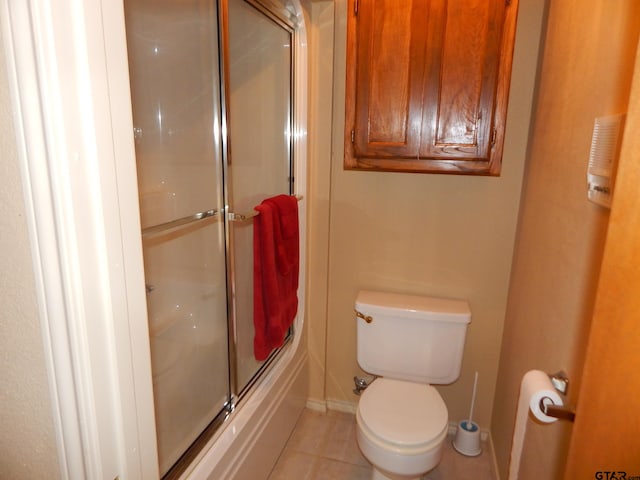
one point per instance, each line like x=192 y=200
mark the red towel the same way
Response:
x=275 y=272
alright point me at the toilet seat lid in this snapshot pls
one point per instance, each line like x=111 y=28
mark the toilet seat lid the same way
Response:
x=403 y=413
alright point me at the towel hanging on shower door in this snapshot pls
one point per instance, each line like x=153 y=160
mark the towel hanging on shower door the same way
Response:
x=276 y=264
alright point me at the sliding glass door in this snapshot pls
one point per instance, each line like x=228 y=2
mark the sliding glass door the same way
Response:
x=173 y=57
x=209 y=148
x=259 y=65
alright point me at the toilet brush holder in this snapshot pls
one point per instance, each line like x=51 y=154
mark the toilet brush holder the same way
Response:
x=467 y=439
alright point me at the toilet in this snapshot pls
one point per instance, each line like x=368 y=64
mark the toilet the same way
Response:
x=410 y=343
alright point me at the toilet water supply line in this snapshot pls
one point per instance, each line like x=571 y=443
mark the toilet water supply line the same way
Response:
x=362 y=383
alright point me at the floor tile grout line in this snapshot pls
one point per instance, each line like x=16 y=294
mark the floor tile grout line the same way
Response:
x=284 y=449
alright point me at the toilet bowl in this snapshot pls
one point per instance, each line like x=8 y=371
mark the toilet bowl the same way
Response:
x=401 y=428
x=410 y=342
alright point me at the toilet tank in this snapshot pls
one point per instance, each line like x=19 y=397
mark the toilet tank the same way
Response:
x=414 y=338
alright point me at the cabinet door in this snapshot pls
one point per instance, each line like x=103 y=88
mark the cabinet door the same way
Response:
x=390 y=41
x=427 y=84
x=461 y=85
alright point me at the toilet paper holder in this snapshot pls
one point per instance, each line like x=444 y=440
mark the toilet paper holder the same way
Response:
x=561 y=412
x=560 y=382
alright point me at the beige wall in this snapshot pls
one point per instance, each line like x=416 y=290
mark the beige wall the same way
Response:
x=27 y=438
x=449 y=236
x=588 y=63
x=320 y=41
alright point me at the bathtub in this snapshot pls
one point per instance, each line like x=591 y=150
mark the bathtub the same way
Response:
x=249 y=443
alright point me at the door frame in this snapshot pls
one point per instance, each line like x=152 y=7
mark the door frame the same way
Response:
x=69 y=85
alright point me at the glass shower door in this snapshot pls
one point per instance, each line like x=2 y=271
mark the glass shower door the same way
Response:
x=259 y=92
x=173 y=61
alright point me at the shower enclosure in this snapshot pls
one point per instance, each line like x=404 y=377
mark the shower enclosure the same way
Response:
x=212 y=89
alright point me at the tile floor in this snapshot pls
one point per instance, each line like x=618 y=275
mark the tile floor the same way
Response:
x=323 y=447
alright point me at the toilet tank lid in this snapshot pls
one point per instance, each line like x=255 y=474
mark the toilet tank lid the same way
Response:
x=413 y=306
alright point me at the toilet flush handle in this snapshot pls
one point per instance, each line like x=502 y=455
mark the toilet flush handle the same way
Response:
x=366 y=318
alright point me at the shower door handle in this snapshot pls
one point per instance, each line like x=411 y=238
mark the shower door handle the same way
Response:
x=180 y=222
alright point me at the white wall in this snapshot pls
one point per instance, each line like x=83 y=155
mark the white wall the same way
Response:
x=27 y=438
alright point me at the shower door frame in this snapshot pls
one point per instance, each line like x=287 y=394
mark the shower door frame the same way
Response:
x=238 y=392
x=266 y=9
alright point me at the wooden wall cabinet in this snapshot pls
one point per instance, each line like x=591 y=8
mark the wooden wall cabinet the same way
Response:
x=427 y=84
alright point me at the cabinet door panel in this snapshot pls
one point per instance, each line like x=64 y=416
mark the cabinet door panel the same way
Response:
x=390 y=66
x=460 y=126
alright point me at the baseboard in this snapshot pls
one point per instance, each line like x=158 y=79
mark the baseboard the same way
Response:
x=494 y=459
x=317 y=405
x=342 y=406
x=323 y=406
